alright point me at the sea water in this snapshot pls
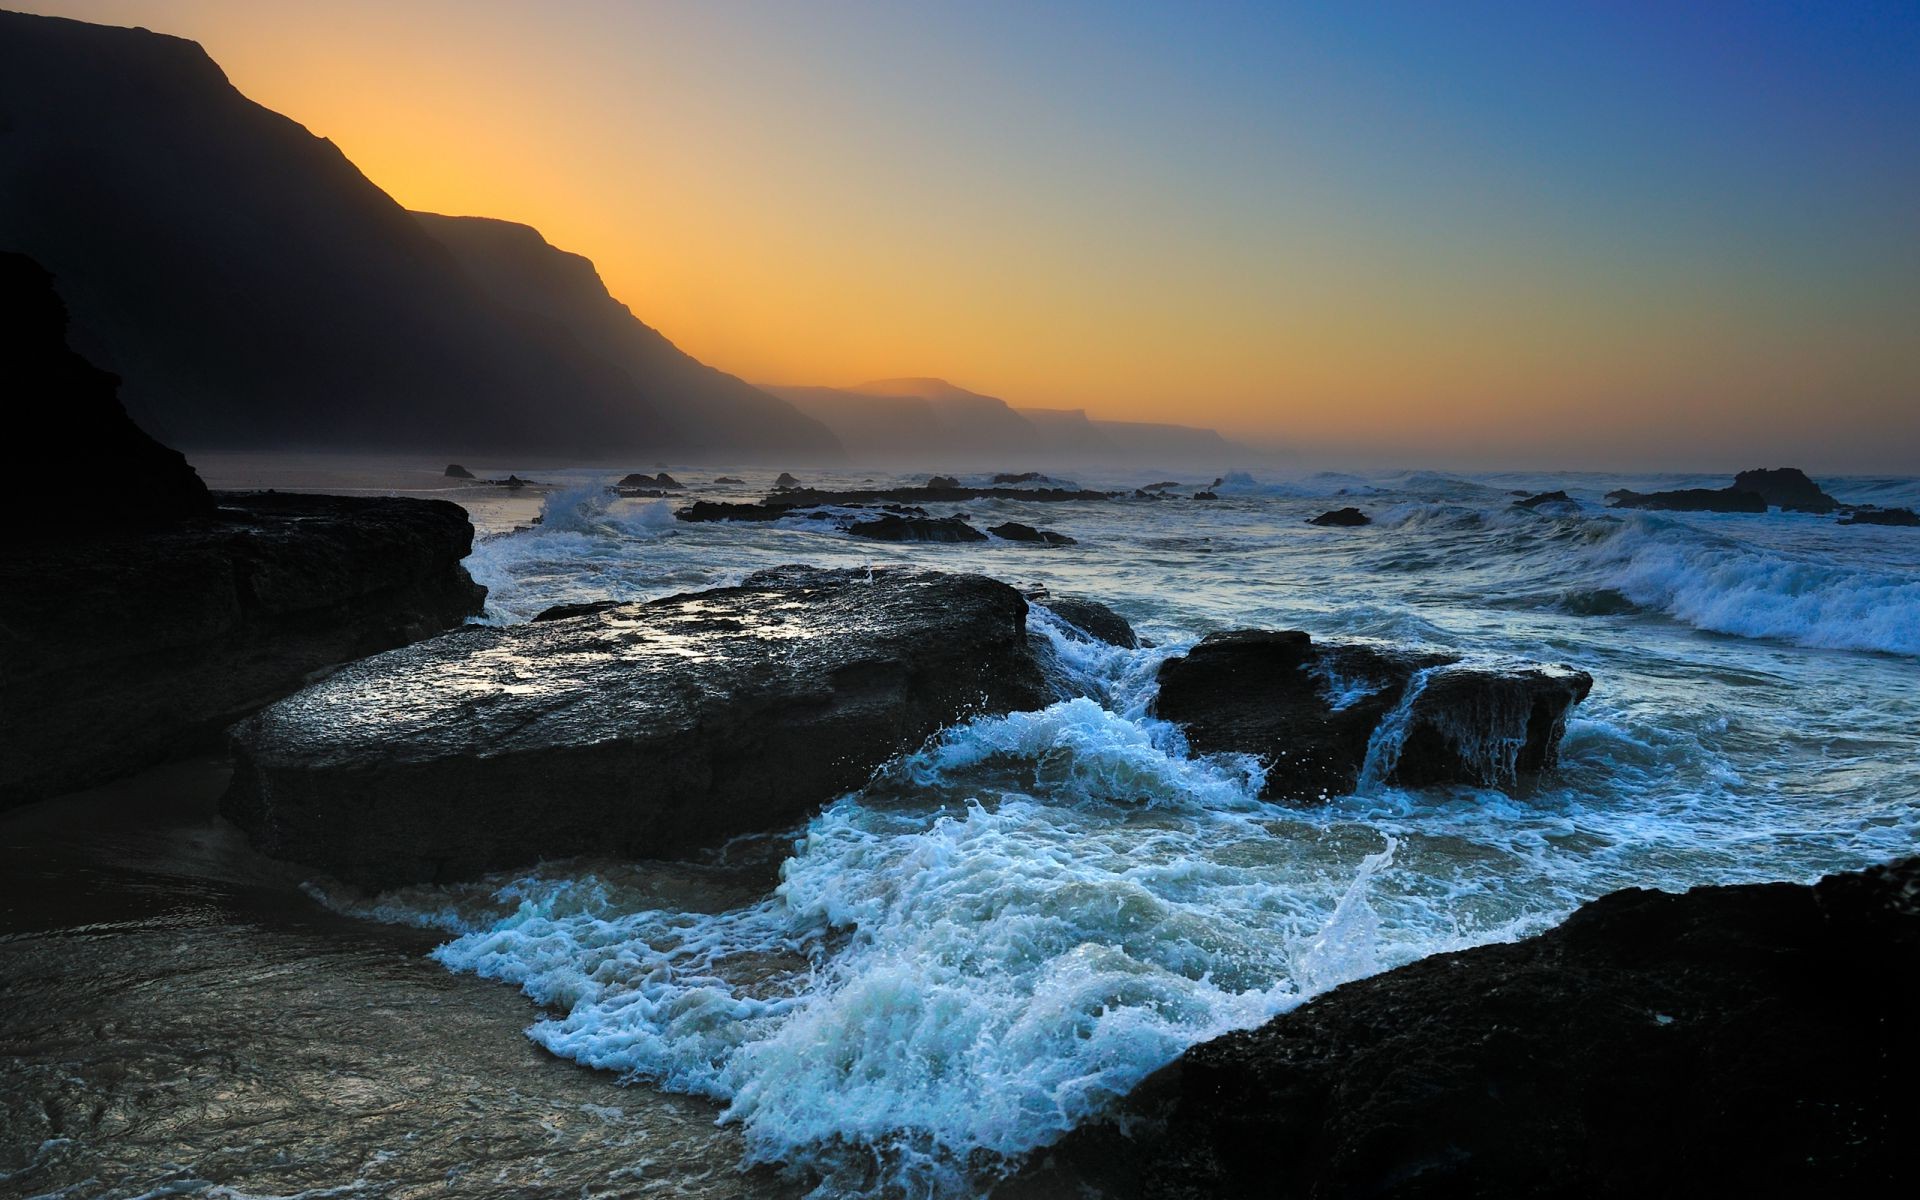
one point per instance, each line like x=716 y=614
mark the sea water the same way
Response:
x=1007 y=929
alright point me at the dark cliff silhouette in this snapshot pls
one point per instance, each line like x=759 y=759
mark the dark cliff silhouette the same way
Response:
x=709 y=408
x=933 y=420
x=97 y=472
x=254 y=289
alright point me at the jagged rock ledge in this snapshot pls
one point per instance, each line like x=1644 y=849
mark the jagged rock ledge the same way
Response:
x=1728 y=1041
x=120 y=651
x=636 y=730
x=1321 y=716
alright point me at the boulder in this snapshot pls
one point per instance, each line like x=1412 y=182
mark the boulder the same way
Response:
x=493 y=748
x=1342 y=517
x=1163 y=485
x=1535 y=501
x=1881 y=516
x=456 y=471
x=1205 y=495
x=1094 y=619
x=943 y=482
x=896 y=528
x=1786 y=488
x=1727 y=500
x=727 y=479
x=1014 y=531
x=716 y=510
x=785 y=481
x=1728 y=1041
x=1325 y=718
x=121 y=651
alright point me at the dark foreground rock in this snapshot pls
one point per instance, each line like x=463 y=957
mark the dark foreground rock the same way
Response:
x=1882 y=516
x=1094 y=619
x=1730 y=1041
x=1015 y=531
x=1322 y=716
x=120 y=651
x=1346 y=517
x=896 y=528
x=1786 y=488
x=92 y=471
x=1727 y=500
x=640 y=731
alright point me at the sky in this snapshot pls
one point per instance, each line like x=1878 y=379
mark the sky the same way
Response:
x=1528 y=234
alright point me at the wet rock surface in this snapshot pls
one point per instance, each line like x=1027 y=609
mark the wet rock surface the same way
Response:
x=1727 y=500
x=1882 y=516
x=643 y=730
x=1535 y=501
x=937 y=495
x=1786 y=488
x=1342 y=517
x=1015 y=531
x=897 y=528
x=1752 y=1040
x=1094 y=619
x=121 y=651
x=1323 y=717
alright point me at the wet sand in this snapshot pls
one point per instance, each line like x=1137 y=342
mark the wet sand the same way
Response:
x=178 y=1018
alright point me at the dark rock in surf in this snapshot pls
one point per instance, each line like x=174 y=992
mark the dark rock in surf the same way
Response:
x=1881 y=516
x=727 y=479
x=717 y=510
x=943 y=483
x=492 y=748
x=1162 y=486
x=1318 y=716
x=1342 y=518
x=1094 y=619
x=1536 y=501
x=929 y=494
x=1022 y=477
x=1726 y=500
x=1014 y=531
x=640 y=479
x=79 y=430
x=896 y=528
x=563 y=612
x=1786 y=488
x=456 y=471
x=1738 y=1041
x=121 y=651
x=1205 y=496
x=785 y=482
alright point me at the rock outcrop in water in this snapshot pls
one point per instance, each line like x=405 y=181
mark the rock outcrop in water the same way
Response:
x=1729 y=1041
x=1540 y=498
x=121 y=650
x=1882 y=516
x=638 y=731
x=1094 y=619
x=1786 y=488
x=1015 y=531
x=1324 y=719
x=1342 y=517
x=1725 y=500
x=894 y=527
x=456 y=471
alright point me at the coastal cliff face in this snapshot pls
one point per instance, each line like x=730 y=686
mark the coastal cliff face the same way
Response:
x=1750 y=1040
x=255 y=290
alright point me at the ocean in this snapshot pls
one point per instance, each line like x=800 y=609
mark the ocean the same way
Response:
x=1003 y=932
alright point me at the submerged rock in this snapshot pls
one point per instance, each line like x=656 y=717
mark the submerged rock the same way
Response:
x=1881 y=516
x=1094 y=619
x=1786 y=488
x=1343 y=517
x=1728 y=500
x=456 y=471
x=639 y=731
x=1728 y=1041
x=121 y=651
x=1324 y=719
x=1536 y=501
x=1014 y=531
x=897 y=528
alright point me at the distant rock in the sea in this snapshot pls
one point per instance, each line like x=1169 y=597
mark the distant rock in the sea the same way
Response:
x=1205 y=495
x=70 y=428
x=1342 y=517
x=456 y=471
x=786 y=481
x=640 y=479
x=1022 y=477
x=718 y=510
x=1324 y=719
x=727 y=479
x=896 y=528
x=1014 y=531
x=1094 y=619
x=491 y=748
x=1728 y=1041
x=1881 y=516
x=1726 y=500
x=1535 y=501
x=1163 y=486
x=942 y=482
x=1786 y=488
x=929 y=493
x=122 y=650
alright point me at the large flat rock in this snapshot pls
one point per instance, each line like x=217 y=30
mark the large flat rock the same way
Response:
x=122 y=647
x=1324 y=718
x=637 y=730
